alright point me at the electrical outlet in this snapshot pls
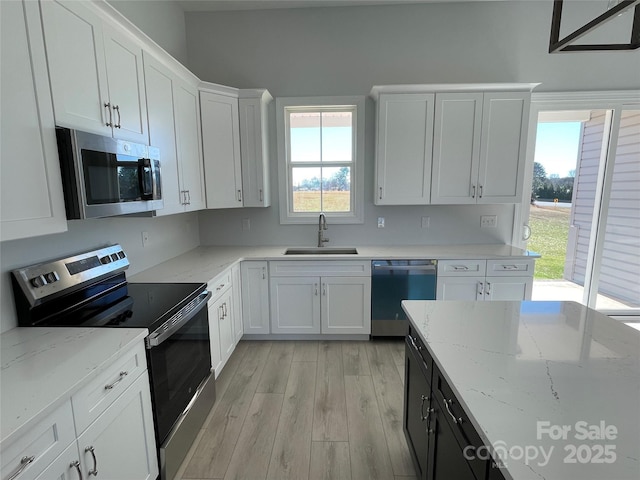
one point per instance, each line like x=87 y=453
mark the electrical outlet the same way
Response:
x=488 y=221
x=425 y=222
x=145 y=239
x=246 y=224
x=380 y=222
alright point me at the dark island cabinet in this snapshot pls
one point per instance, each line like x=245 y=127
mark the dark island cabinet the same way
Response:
x=441 y=439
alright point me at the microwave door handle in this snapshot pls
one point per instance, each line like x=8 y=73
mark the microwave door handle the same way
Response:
x=145 y=179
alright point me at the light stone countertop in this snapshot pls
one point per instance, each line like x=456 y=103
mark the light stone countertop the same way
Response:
x=42 y=367
x=514 y=364
x=204 y=263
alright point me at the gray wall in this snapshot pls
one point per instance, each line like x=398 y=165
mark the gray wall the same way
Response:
x=162 y=20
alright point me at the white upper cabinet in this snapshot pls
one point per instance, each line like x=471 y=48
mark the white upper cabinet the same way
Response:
x=254 y=147
x=456 y=147
x=173 y=127
x=31 y=189
x=221 y=149
x=479 y=147
x=95 y=71
x=505 y=121
x=404 y=149
x=469 y=148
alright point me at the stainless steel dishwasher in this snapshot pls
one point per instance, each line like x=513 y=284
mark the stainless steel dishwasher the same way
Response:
x=393 y=281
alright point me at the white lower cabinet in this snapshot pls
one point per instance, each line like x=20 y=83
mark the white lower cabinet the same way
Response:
x=107 y=426
x=120 y=443
x=255 y=297
x=338 y=301
x=222 y=320
x=485 y=279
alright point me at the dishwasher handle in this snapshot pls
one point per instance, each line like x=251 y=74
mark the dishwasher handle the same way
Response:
x=425 y=268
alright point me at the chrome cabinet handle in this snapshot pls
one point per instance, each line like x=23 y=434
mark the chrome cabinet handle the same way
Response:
x=261 y=196
x=488 y=290
x=120 y=378
x=24 y=463
x=264 y=273
x=480 y=192
x=473 y=195
x=480 y=288
x=460 y=267
x=188 y=197
x=117 y=109
x=455 y=420
x=224 y=310
x=239 y=195
x=93 y=471
x=108 y=107
x=220 y=312
x=324 y=289
x=380 y=193
x=75 y=464
x=424 y=398
x=315 y=285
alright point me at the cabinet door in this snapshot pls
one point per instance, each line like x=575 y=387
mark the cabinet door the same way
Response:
x=295 y=304
x=460 y=288
x=416 y=411
x=505 y=119
x=456 y=148
x=31 y=199
x=162 y=134
x=346 y=305
x=236 y=286
x=187 y=113
x=404 y=149
x=255 y=297
x=77 y=69
x=445 y=459
x=215 y=312
x=65 y=467
x=254 y=147
x=125 y=77
x=225 y=327
x=508 y=288
x=123 y=438
x=221 y=150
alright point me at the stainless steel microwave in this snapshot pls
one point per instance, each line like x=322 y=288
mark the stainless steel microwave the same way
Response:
x=104 y=177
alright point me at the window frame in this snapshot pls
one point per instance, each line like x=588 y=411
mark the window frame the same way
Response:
x=285 y=187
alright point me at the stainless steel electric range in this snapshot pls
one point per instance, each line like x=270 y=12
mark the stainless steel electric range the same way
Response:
x=91 y=290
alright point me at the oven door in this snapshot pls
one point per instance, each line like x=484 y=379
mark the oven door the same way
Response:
x=179 y=360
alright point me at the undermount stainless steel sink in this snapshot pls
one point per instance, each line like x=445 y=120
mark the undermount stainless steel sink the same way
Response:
x=321 y=251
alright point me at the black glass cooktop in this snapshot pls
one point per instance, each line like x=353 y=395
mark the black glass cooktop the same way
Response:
x=127 y=305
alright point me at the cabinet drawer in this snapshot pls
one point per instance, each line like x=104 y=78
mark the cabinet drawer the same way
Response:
x=101 y=392
x=458 y=421
x=333 y=268
x=414 y=341
x=461 y=268
x=518 y=267
x=43 y=442
x=218 y=284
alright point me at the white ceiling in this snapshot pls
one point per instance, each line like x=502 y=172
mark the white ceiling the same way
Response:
x=220 y=5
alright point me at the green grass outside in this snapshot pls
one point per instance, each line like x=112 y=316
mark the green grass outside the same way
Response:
x=338 y=201
x=549 y=234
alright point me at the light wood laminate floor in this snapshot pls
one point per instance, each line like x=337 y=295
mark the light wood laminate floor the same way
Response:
x=306 y=410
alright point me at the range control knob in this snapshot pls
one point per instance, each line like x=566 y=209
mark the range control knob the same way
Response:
x=38 y=281
x=51 y=277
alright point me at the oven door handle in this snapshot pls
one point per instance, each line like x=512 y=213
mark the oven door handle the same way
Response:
x=158 y=336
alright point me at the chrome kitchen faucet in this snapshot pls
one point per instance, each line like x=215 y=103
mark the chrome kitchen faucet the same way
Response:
x=322 y=225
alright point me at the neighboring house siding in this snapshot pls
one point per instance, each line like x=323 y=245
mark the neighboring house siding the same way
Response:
x=619 y=273
x=583 y=197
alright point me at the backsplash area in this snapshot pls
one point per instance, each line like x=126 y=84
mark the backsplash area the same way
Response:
x=168 y=237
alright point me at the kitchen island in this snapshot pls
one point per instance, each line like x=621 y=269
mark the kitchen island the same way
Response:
x=521 y=390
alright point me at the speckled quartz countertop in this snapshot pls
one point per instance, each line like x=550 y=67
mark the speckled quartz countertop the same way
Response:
x=524 y=371
x=42 y=367
x=204 y=263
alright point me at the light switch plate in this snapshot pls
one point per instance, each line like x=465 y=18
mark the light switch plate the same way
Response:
x=489 y=221
x=380 y=222
x=145 y=239
x=425 y=222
